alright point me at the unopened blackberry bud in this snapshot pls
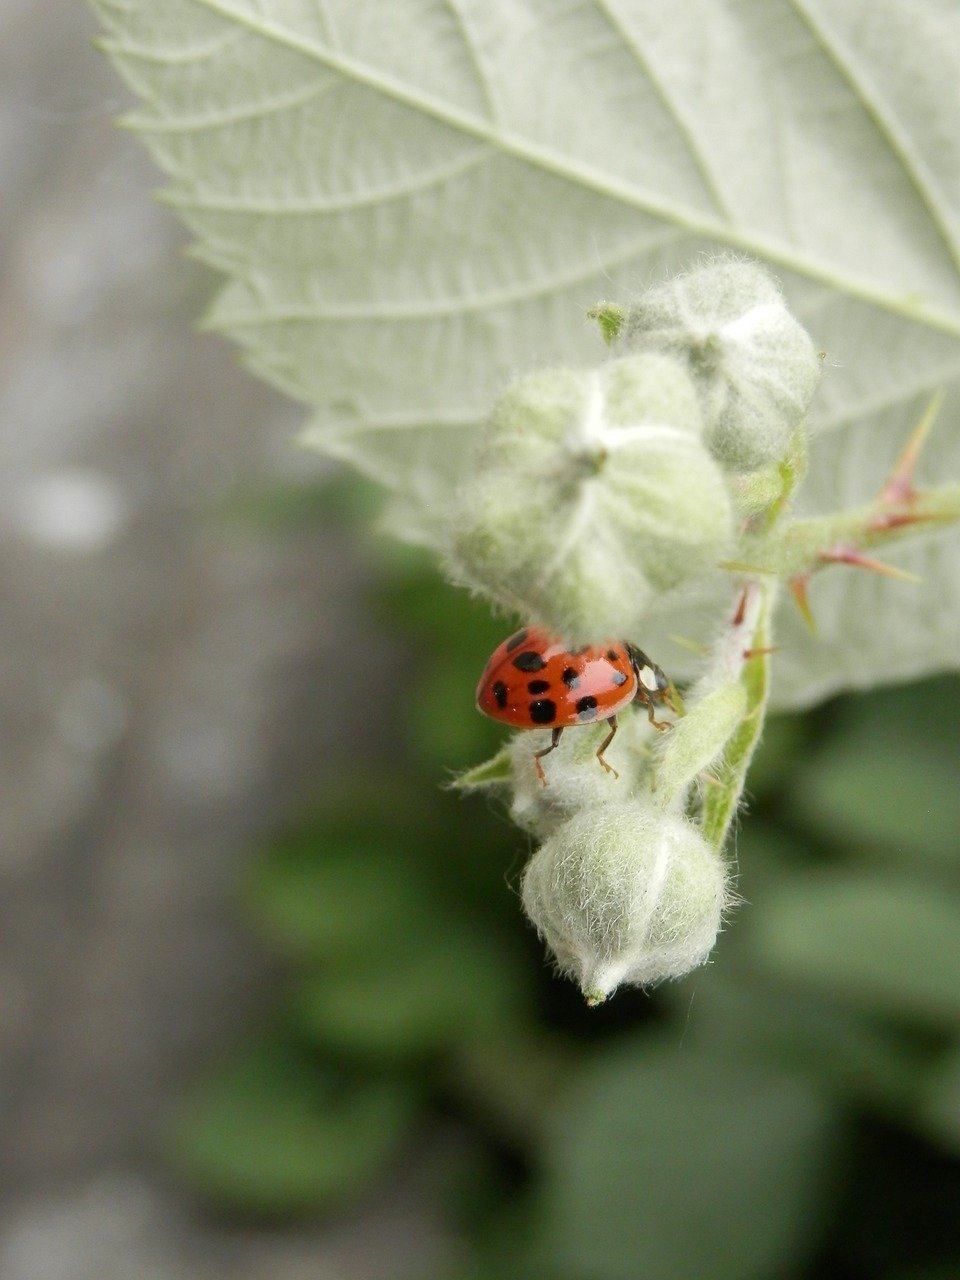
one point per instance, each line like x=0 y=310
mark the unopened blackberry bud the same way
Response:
x=575 y=778
x=593 y=493
x=626 y=893
x=754 y=366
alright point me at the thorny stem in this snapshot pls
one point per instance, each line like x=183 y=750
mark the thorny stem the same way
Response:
x=792 y=553
x=752 y=656
x=723 y=797
x=875 y=524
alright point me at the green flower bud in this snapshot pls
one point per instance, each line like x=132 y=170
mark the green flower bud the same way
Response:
x=576 y=780
x=593 y=494
x=754 y=365
x=626 y=893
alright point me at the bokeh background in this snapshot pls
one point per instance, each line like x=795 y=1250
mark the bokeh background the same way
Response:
x=268 y=1007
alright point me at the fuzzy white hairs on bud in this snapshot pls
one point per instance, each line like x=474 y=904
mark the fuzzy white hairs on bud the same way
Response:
x=576 y=780
x=594 y=493
x=754 y=365
x=626 y=894
x=715 y=707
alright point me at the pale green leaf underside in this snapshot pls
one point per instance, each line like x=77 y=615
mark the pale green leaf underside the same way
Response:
x=414 y=200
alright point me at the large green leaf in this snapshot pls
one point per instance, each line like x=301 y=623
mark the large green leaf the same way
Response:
x=412 y=201
x=939 y=1112
x=271 y=1135
x=407 y=1001
x=886 y=943
x=671 y=1162
x=882 y=797
x=849 y=1055
x=349 y=876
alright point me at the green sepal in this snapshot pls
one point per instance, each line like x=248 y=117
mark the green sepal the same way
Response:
x=610 y=318
x=494 y=772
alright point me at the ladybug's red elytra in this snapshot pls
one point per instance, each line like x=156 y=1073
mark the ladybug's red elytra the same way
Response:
x=533 y=680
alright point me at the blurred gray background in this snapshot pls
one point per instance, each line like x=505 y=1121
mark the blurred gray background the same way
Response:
x=165 y=691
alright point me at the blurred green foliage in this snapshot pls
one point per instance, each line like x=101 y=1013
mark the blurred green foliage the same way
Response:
x=792 y=1110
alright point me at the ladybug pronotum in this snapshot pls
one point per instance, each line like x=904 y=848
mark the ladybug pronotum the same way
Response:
x=532 y=680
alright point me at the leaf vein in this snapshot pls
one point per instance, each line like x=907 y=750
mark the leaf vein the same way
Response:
x=661 y=88
x=525 y=292
x=931 y=381
x=422 y=181
x=235 y=115
x=473 y=53
x=576 y=171
x=172 y=57
x=901 y=145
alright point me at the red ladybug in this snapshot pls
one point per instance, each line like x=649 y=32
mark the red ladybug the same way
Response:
x=532 y=679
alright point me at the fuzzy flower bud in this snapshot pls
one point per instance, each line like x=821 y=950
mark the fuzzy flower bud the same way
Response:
x=754 y=365
x=576 y=780
x=626 y=893
x=593 y=494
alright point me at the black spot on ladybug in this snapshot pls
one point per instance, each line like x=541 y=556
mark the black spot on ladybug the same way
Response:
x=543 y=711
x=529 y=661
x=570 y=678
x=517 y=640
x=587 y=708
x=612 y=655
x=538 y=686
x=619 y=678
x=499 y=692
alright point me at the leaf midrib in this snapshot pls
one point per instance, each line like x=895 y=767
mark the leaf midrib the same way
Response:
x=899 y=142
x=648 y=69
x=568 y=169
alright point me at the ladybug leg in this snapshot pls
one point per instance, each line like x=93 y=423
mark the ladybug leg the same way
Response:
x=659 y=725
x=538 y=755
x=612 y=722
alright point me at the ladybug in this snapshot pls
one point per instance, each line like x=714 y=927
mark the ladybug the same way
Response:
x=532 y=680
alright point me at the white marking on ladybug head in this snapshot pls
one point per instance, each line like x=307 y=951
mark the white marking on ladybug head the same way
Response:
x=648 y=678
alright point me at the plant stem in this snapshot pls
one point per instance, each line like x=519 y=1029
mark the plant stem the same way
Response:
x=874 y=524
x=721 y=802
x=802 y=545
x=799 y=549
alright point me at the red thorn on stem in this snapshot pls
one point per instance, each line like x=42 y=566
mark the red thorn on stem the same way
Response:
x=798 y=585
x=899 y=489
x=843 y=553
x=741 y=612
x=885 y=521
x=759 y=652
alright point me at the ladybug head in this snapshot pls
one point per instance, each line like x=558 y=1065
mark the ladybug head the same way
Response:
x=654 y=681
